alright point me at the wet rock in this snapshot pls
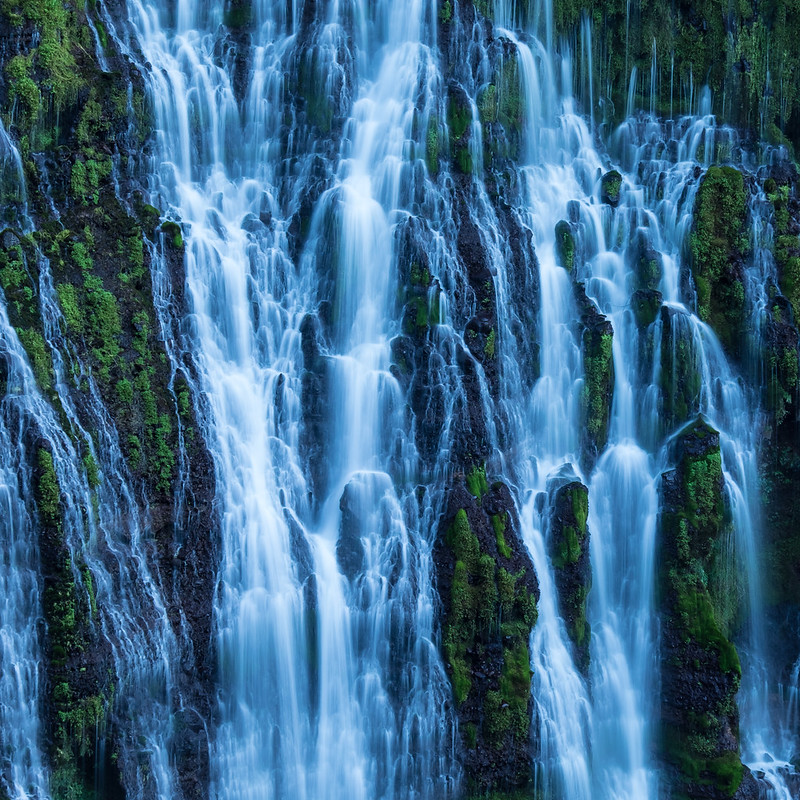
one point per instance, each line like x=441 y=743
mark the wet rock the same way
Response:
x=349 y=547
x=680 y=371
x=645 y=305
x=565 y=245
x=459 y=121
x=569 y=553
x=610 y=188
x=598 y=362
x=718 y=247
x=314 y=399
x=645 y=261
x=700 y=666
x=488 y=592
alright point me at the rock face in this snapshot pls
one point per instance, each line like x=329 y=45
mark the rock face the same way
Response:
x=597 y=339
x=87 y=127
x=718 y=248
x=699 y=737
x=610 y=188
x=569 y=554
x=488 y=592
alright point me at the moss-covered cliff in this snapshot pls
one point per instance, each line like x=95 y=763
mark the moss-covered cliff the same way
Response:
x=700 y=665
x=747 y=53
x=77 y=280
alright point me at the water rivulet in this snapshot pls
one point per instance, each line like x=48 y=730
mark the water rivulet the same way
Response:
x=385 y=414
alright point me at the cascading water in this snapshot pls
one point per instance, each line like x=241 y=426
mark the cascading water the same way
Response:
x=329 y=602
x=107 y=561
x=299 y=158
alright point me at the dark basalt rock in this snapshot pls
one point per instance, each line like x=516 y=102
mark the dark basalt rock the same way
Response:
x=645 y=261
x=314 y=399
x=349 y=547
x=610 y=188
x=680 y=376
x=699 y=740
x=488 y=592
x=597 y=336
x=646 y=305
x=569 y=553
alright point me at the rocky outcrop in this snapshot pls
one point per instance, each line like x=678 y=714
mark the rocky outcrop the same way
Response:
x=597 y=341
x=488 y=592
x=569 y=555
x=726 y=47
x=679 y=371
x=719 y=245
x=699 y=738
x=79 y=130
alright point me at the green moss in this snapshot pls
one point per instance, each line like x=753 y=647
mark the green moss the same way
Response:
x=23 y=89
x=717 y=241
x=610 y=186
x=645 y=306
x=88 y=584
x=184 y=403
x=18 y=285
x=499 y=524
x=174 y=233
x=569 y=548
x=506 y=710
x=723 y=772
x=565 y=246
x=786 y=248
x=580 y=508
x=239 y=16
x=696 y=602
x=459 y=118
x=463 y=542
x=71 y=308
x=470 y=735
x=511 y=103
x=48 y=491
x=312 y=87
x=702 y=482
x=92 y=472
x=446 y=12
x=67 y=784
x=506 y=591
x=476 y=482
x=489 y=347
x=102 y=324
x=598 y=388
x=39 y=356
x=488 y=104
x=125 y=392
x=432 y=146
x=699 y=621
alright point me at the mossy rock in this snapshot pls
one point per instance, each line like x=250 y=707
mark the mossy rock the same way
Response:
x=700 y=665
x=568 y=545
x=598 y=387
x=565 y=245
x=645 y=306
x=718 y=245
x=489 y=593
x=611 y=188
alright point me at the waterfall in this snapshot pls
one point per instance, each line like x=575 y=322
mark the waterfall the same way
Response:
x=392 y=247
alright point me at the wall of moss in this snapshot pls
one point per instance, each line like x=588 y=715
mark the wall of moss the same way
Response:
x=719 y=242
x=489 y=593
x=79 y=131
x=700 y=666
x=732 y=47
